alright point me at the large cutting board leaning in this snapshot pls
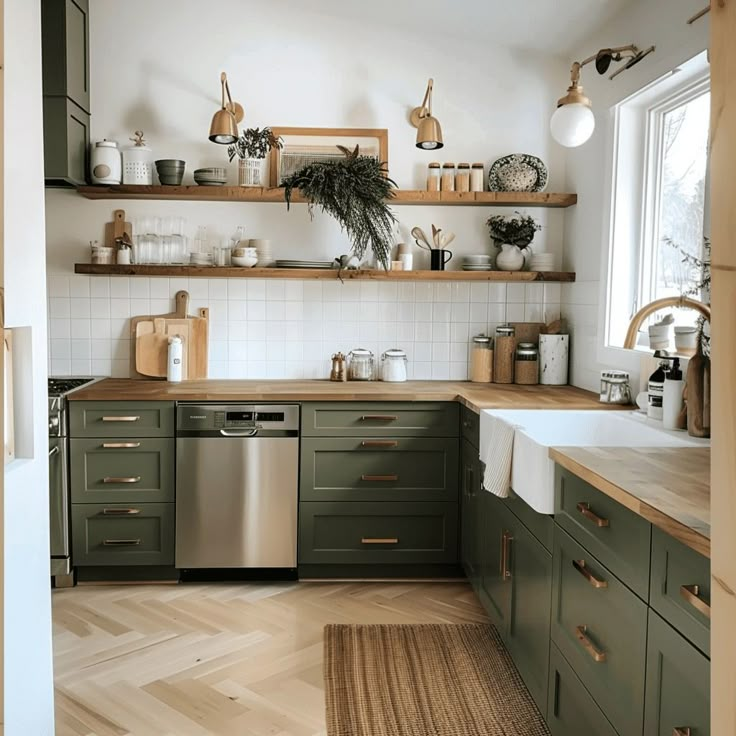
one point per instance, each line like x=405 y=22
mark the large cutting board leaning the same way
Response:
x=150 y=337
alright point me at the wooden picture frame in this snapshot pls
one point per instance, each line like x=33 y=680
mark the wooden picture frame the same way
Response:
x=308 y=143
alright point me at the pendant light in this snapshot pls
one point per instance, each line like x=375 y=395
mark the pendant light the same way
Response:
x=224 y=126
x=429 y=131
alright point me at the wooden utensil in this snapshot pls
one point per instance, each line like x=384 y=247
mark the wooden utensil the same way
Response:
x=554 y=328
x=151 y=351
x=447 y=238
x=420 y=237
x=528 y=331
x=117 y=228
x=435 y=239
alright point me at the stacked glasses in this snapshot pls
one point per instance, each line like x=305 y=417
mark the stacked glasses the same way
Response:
x=160 y=240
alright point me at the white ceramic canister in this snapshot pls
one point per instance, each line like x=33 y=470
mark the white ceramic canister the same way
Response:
x=106 y=165
x=554 y=353
x=393 y=366
x=138 y=162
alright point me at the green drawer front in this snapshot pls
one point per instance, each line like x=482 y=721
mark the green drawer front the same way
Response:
x=540 y=525
x=373 y=419
x=116 y=534
x=621 y=540
x=120 y=470
x=470 y=426
x=678 y=684
x=121 y=419
x=571 y=710
x=370 y=533
x=680 y=590
x=615 y=625
x=386 y=469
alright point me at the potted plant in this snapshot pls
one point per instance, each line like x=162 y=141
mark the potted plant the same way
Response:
x=251 y=149
x=354 y=191
x=512 y=234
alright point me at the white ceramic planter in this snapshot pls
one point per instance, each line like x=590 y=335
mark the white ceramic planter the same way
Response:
x=510 y=258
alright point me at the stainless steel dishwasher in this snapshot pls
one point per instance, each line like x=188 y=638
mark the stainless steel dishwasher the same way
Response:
x=237 y=481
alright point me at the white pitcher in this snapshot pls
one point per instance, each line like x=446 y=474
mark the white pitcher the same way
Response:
x=511 y=258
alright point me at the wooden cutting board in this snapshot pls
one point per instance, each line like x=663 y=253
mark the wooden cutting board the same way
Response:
x=151 y=350
x=528 y=331
x=116 y=228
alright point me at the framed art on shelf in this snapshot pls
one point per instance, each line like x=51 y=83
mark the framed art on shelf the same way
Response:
x=304 y=146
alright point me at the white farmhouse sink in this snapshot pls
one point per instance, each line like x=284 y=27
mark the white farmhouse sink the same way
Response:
x=532 y=471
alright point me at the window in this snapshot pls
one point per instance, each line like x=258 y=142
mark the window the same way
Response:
x=659 y=195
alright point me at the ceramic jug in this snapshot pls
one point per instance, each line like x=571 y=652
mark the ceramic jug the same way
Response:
x=511 y=258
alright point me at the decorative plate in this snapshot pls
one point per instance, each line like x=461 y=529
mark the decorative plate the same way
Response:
x=517 y=172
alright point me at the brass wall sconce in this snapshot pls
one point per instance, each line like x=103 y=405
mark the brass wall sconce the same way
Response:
x=224 y=126
x=573 y=121
x=429 y=132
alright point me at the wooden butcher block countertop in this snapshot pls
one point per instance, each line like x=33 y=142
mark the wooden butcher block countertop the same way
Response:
x=670 y=487
x=474 y=396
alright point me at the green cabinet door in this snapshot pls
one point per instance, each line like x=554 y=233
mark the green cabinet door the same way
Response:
x=530 y=566
x=469 y=527
x=121 y=419
x=66 y=142
x=495 y=581
x=678 y=684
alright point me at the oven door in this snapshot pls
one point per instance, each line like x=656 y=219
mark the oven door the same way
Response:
x=59 y=506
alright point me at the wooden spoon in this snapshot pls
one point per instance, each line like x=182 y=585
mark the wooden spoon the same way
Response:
x=418 y=234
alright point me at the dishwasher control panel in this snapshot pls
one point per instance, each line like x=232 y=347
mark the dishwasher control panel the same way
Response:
x=214 y=417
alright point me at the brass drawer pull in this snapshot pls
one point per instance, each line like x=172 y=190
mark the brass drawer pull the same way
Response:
x=506 y=539
x=132 y=479
x=581 y=632
x=121 y=542
x=681 y=731
x=378 y=418
x=380 y=478
x=120 y=445
x=579 y=565
x=584 y=509
x=120 y=512
x=378 y=540
x=691 y=593
x=120 y=419
x=379 y=443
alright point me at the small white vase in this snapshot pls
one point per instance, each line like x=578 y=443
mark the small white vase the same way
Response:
x=510 y=258
x=252 y=172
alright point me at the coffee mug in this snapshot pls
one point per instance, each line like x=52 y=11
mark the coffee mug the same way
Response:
x=438 y=258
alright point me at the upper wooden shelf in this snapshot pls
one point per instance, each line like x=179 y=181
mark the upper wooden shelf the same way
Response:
x=327 y=273
x=258 y=194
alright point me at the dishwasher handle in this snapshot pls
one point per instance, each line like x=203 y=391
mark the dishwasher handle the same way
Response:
x=249 y=433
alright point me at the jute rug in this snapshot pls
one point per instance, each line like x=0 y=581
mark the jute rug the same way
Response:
x=424 y=680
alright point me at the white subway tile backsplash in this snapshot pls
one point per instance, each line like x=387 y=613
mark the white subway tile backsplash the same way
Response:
x=237 y=350
x=81 y=366
x=101 y=349
x=81 y=349
x=140 y=289
x=120 y=308
x=236 y=310
x=313 y=291
x=423 y=331
x=479 y=292
x=256 y=310
x=59 y=307
x=440 y=332
x=460 y=332
x=254 y=330
x=533 y=312
x=59 y=328
x=332 y=291
x=478 y=312
x=61 y=349
x=461 y=312
x=294 y=291
x=79 y=286
x=198 y=290
x=460 y=291
x=275 y=311
x=368 y=291
x=101 y=367
x=236 y=289
x=275 y=290
x=99 y=308
x=58 y=285
x=497 y=293
x=99 y=287
x=406 y=291
x=515 y=293
x=515 y=312
x=164 y=306
x=496 y=313
x=119 y=287
x=159 y=287
x=79 y=307
x=423 y=291
x=140 y=307
x=80 y=329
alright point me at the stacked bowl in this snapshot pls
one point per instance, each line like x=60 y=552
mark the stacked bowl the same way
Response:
x=170 y=171
x=543 y=262
x=244 y=257
x=477 y=263
x=214 y=176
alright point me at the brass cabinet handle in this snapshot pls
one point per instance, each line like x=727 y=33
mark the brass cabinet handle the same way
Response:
x=379 y=478
x=120 y=419
x=379 y=443
x=579 y=565
x=581 y=632
x=378 y=540
x=120 y=445
x=507 y=539
x=120 y=512
x=132 y=479
x=691 y=593
x=584 y=509
x=681 y=731
x=121 y=542
x=378 y=418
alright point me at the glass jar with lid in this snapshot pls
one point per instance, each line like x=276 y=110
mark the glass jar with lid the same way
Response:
x=448 y=177
x=360 y=365
x=526 y=368
x=393 y=365
x=481 y=359
x=462 y=178
x=503 y=355
x=433 y=176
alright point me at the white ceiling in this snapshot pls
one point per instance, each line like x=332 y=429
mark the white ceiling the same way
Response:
x=547 y=26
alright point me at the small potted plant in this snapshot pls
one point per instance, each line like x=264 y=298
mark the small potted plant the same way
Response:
x=513 y=235
x=251 y=149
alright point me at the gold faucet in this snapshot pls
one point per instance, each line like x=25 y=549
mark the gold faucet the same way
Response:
x=656 y=305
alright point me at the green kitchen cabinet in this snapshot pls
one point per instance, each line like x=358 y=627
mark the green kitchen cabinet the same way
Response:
x=121 y=419
x=678 y=684
x=470 y=502
x=66 y=142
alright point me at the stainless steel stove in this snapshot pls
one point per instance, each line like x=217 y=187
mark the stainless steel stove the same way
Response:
x=59 y=389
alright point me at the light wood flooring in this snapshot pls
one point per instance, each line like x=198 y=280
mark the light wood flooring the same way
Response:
x=197 y=660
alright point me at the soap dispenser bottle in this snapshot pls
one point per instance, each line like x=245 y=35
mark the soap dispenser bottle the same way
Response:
x=672 y=401
x=655 y=387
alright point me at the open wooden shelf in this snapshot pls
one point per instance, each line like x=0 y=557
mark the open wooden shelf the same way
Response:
x=258 y=194
x=325 y=274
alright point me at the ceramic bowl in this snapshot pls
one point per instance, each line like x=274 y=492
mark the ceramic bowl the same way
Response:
x=214 y=172
x=244 y=261
x=171 y=163
x=480 y=260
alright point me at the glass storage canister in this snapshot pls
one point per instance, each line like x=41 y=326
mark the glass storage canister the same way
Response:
x=106 y=166
x=526 y=368
x=360 y=367
x=481 y=359
x=477 y=179
x=503 y=355
x=462 y=178
x=138 y=161
x=448 y=177
x=433 y=177
x=393 y=365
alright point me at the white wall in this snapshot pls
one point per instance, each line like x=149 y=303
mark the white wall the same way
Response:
x=645 y=23
x=28 y=673
x=290 y=65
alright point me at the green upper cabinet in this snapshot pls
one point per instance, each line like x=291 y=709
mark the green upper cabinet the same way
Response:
x=66 y=95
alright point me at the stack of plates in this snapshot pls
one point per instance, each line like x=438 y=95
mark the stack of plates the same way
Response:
x=543 y=262
x=477 y=263
x=200 y=259
x=214 y=176
x=303 y=264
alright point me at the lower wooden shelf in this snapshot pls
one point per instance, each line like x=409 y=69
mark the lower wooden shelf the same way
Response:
x=324 y=274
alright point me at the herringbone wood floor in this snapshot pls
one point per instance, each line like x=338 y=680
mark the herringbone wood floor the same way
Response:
x=197 y=660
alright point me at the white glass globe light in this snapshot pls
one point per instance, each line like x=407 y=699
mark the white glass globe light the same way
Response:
x=573 y=124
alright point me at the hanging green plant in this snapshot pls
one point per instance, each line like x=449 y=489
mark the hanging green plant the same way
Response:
x=354 y=191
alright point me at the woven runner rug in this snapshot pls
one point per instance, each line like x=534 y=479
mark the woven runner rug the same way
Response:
x=424 y=680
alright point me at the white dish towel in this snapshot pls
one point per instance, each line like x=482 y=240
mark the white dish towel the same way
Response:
x=497 y=456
